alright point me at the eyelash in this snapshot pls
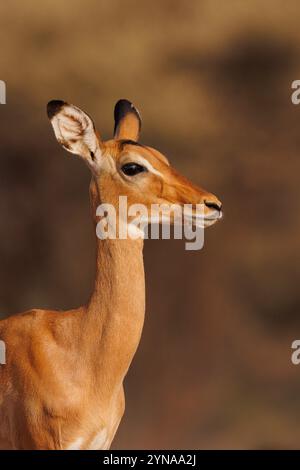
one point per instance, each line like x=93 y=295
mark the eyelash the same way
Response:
x=132 y=169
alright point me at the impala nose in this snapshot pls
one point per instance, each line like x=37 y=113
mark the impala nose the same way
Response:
x=213 y=203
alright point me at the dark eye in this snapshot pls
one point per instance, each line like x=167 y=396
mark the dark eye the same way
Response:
x=131 y=169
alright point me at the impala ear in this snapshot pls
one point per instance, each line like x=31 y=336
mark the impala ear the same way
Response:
x=127 y=121
x=75 y=131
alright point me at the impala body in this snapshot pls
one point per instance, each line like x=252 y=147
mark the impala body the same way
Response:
x=62 y=384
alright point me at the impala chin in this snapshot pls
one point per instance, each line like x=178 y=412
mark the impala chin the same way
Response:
x=204 y=220
x=211 y=219
x=210 y=222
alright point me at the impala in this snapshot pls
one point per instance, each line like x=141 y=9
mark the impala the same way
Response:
x=62 y=384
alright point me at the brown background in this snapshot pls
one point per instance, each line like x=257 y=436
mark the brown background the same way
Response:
x=212 y=80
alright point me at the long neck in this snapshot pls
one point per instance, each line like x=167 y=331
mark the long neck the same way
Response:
x=114 y=316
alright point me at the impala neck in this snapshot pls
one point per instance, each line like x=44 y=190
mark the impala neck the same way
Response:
x=114 y=316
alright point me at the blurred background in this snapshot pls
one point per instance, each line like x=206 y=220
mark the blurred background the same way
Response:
x=212 y=81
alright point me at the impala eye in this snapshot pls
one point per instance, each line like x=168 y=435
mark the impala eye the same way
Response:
x=132 y=169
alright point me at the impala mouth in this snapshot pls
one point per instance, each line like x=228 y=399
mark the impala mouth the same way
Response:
x=211 y=220
x=213 y=217
x=207 y=221
x=204 y=220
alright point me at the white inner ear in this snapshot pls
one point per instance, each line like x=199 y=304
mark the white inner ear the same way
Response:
x=75 y=131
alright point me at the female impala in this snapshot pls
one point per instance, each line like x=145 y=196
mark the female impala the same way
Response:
x=62 y=384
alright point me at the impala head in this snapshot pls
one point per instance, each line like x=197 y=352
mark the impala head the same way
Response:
x=123 y=166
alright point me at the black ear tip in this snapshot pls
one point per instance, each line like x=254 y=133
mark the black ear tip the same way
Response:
x=123 y=103
x=123 y=107
x=53 y=107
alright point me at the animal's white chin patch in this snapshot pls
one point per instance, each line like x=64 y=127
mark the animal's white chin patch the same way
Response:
x=204 y=221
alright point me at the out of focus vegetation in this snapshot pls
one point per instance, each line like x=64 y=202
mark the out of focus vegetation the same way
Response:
x=212 y=81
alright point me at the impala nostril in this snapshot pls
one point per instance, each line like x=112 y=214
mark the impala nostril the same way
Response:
x=213 y=205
